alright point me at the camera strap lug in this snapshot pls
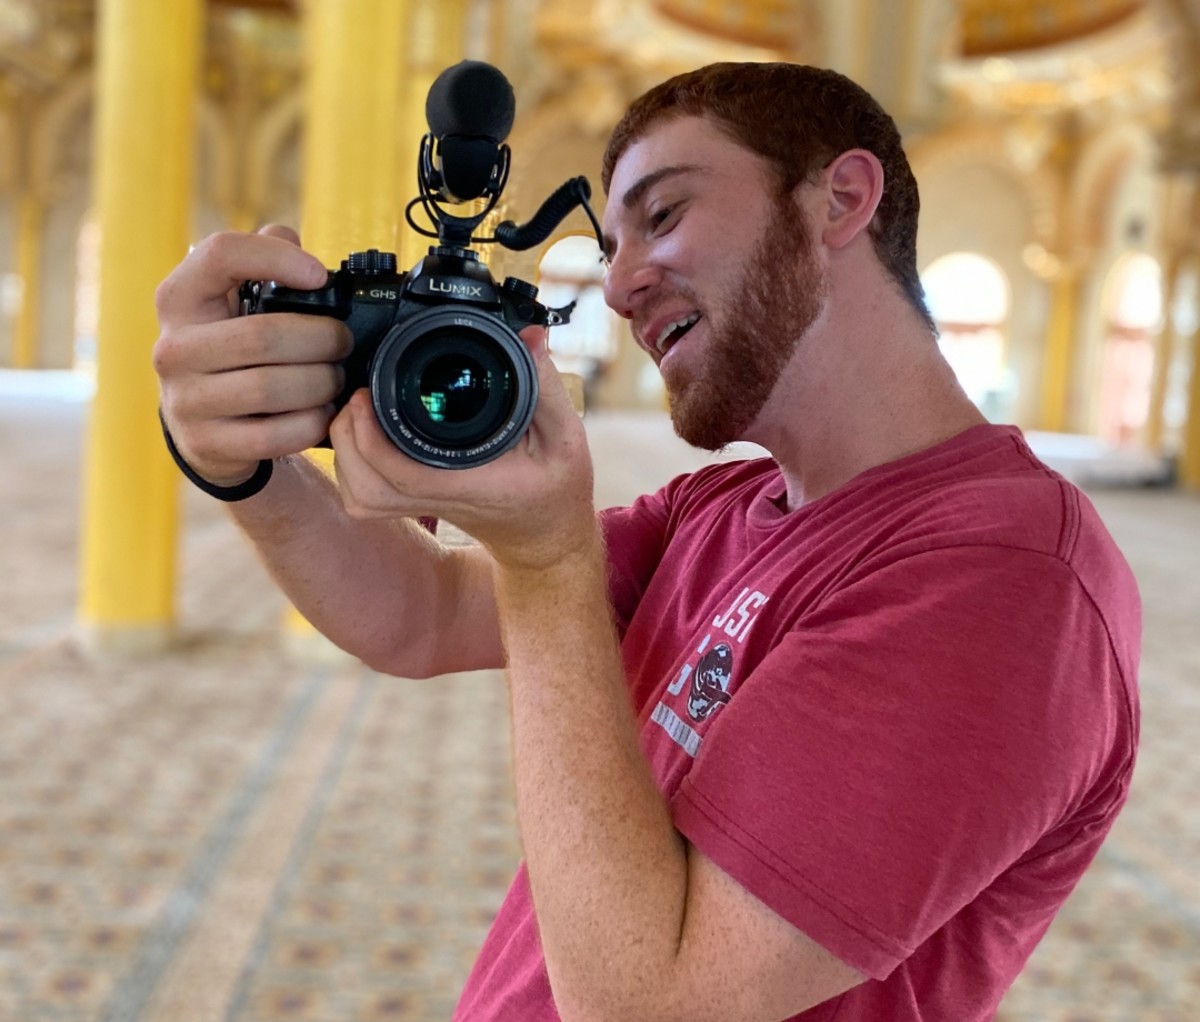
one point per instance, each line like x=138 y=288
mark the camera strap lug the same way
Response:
x=560 y=316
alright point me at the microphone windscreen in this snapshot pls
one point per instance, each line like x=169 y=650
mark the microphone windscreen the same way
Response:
x=471 y=98
x=466 y=165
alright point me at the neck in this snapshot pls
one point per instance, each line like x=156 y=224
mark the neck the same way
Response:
x=866 y=386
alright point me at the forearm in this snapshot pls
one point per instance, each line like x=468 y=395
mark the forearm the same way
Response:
x=384 y=590
x=607 y=869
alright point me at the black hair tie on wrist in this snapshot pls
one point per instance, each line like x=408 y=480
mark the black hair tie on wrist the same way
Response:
x=249 y=488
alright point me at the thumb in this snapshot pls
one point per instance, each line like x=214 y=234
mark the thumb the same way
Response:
x=537 y=340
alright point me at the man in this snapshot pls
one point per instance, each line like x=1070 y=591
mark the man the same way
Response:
x=830 y=734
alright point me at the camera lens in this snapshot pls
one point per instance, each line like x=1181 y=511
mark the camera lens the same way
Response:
x=453 y=388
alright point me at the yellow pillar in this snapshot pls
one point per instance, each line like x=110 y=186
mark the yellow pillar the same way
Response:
x=1060 y=342
x=355 y=182
x=1189 y=458
x=29 y=265
x=147 y=74
x=436 y=32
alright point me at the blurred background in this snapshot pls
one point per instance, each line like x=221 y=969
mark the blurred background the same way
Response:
x=206 y=812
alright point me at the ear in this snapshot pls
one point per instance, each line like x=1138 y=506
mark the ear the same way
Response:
x=853 y=188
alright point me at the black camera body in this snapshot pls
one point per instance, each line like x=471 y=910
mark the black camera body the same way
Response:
x=451 y=382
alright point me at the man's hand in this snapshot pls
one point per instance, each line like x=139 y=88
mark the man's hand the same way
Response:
x=532 y=507
x=238 y=389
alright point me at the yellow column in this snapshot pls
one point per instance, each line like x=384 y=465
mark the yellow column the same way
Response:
x=29 y=265
x=355 y=183
x=1189 y=458
x=148 y=58
x=1060 y=341
x=435 y=42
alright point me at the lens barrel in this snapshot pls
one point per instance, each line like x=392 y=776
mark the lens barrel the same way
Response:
x=453 y=388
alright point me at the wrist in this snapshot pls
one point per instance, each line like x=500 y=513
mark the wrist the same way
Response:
x=553 y=571
x=231 y=490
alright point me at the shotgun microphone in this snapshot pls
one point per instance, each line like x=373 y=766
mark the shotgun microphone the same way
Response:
x=470 y=110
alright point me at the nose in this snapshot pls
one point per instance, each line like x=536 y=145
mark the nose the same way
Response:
x=629 y=279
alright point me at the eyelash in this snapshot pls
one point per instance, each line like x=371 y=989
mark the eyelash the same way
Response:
x=661 y=215
x=655 y=220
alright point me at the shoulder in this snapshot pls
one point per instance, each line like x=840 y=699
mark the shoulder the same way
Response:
x=716 y=486
x=987 y=488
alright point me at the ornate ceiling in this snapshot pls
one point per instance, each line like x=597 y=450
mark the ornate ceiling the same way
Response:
x=926 y=56
x=983 y=27
x=993 y=27
x=770 y=23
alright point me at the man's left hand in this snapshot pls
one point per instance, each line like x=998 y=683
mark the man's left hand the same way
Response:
x=531 y=508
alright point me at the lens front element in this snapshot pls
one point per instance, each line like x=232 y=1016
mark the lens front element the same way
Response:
x=453 y=389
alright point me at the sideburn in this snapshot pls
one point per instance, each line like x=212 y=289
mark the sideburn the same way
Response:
x=763 y=319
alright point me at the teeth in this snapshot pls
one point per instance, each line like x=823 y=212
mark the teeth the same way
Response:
x=670 y=328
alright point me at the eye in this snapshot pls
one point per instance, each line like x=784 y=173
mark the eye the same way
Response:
x=658 y=218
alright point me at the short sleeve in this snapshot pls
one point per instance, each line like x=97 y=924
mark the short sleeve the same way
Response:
x=910 y=739
x=634 y=538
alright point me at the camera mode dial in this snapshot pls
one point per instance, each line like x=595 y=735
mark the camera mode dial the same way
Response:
x=371 y=261
x=519 y=288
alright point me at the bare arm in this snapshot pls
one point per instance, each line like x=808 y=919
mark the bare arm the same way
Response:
x=633 y=920
x=239 y=389
x=385 y=590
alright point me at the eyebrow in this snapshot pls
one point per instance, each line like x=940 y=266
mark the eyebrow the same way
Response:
x=637 y=191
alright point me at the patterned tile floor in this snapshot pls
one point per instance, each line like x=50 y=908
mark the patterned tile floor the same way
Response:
x=231 y=833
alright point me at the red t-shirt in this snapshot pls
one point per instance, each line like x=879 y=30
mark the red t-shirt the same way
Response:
x=903 y=716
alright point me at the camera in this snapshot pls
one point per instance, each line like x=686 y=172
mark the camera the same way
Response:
x=451 y=382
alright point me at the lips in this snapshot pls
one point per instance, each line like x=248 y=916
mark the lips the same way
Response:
x=664 y=331
x=673 y=331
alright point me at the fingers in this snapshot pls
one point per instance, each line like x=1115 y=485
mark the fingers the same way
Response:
x=280 y=231
x=556 y=410
x=265 y=339
x=210 y=441
x=236 y=389
x=198 y=289
x=255 y=391
x=363 y=455
x=381 y=480
x=536 y=338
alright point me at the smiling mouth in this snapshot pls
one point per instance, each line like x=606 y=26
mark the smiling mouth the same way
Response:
x=672 y=332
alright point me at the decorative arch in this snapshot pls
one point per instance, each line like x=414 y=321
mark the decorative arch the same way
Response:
x=984 y=145
x=1132 y=303
x=279 y=125
x=1101 y=167
x=217 y=156
x=56 y=131
x=970 y=298
x=570 y=272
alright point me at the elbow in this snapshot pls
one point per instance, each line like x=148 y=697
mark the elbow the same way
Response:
x=420 y=656
x=400 y=661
